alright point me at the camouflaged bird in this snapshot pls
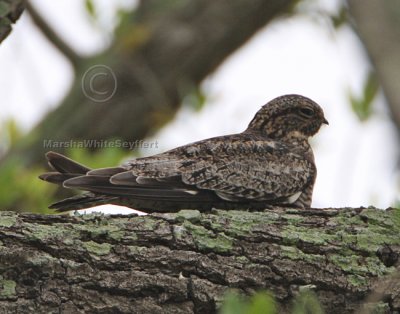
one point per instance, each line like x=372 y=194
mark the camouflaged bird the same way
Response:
x=270 y=163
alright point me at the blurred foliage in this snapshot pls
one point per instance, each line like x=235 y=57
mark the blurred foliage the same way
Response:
x=362 y=105
x=130 y=38
x=322 y=17
x=9 y=135
x=307 y=303
x=196 y=99
x=107 y=157
x=263 y=303
x=19 y=186
x=21 y=190
x=134 y=26
x=260 y=303
x=90 y=8
x=341 y=18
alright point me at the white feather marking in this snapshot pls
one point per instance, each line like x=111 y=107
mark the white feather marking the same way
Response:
x=293 y=198
x=191 y=192
x=225 y=196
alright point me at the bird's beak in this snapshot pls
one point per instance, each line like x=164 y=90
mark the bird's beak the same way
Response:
x=325 y=121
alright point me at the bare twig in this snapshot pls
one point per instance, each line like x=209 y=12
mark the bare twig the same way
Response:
x=52 y=36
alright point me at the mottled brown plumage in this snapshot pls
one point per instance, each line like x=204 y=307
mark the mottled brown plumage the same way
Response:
x=271 y=162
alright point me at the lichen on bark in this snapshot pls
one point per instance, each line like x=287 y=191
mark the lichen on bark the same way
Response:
x=184 y=262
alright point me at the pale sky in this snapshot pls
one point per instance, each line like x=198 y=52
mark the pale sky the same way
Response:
x=356 y=161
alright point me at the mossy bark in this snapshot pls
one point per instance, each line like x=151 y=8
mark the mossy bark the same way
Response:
x=185 y=262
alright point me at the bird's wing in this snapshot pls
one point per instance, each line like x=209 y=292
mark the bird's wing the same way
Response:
x=244 y=169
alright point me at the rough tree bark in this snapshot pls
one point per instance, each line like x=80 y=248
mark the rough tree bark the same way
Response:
x=10 y=11
x=184 y=262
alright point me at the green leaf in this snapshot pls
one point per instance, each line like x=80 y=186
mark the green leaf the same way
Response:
x=13 y=132
x=341 y=18
x=307 y=303
x=196 y=99
x=106 y=157
x=21 y=190
x=10 y=134
x=90 y=8
x=362 y=106
x=233 y=304
x=262 y=303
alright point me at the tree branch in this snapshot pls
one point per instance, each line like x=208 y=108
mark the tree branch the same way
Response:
x=184 y=262
x=377 y=24
x=52 y=36
x=10 y=11
x=155 y=62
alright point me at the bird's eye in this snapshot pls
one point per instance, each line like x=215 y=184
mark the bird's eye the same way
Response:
x=306 y=112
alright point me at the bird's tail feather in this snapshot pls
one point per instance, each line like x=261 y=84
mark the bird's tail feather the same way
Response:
x=63 y=164
x=81 y=202
x=119 y=186
x=102 y=190
x=64 y=167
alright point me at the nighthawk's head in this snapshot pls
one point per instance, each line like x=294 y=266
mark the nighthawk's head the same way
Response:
x=288 y=116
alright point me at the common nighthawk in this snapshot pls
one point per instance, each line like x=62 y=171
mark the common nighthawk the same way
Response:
x=270 y=163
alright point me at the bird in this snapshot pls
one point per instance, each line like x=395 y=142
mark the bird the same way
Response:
x=270 y=163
